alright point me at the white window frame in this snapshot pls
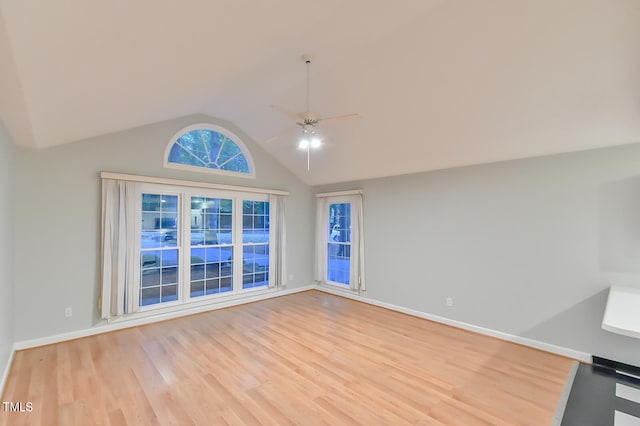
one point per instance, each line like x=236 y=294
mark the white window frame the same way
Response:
x=186 y=277
x=164 y=190
x=330 y=201
x=184 y=245
x=356 y=264
x=262 y=198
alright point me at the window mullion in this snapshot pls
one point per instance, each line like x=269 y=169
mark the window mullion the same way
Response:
x=238 y=247
x=185 y=244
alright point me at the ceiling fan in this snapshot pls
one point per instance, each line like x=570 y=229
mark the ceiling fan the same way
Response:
x=307 y=121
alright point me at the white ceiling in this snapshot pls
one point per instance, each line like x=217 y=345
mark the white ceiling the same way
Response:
x=438 y=83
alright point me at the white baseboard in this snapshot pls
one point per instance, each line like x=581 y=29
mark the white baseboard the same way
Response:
x=7 y=368
x=547 y=347
x=26 y=344
x=41 y=341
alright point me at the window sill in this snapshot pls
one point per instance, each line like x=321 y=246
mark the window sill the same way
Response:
x=195 y=307
x=338 y=287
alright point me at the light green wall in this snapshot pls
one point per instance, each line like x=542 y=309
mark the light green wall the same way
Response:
x=7 y=155
x=525 y=247
x=58 y=219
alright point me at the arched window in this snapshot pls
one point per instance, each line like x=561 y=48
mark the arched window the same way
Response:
x=209 y=148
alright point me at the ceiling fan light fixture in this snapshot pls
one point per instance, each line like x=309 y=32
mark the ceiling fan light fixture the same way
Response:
x=315 y=142
x=304 y=143
x=310 y=138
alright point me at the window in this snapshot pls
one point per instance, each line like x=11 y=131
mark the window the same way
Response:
x=170 y=245
x=339 y=242
x=255 y=243
x=209 y=148
x=211 y=246
x=159 y=250
x=215 y=238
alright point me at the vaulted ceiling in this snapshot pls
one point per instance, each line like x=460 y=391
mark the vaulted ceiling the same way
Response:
x=437 y=83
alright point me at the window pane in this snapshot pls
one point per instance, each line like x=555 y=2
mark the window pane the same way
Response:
x=212 y=286
x=212 y=254
x=340 y=222
x=159 y=270
x=150 y=259
x=211 y=258
x=158 y=276
x=169 y=203
x=169 y=257
x=225 y=221
x=247 y=221
x=169 y=293
x=255 y=237
x=150 y=277
x=208 y=149
x=339 y=263
x=247 y=207
x=228 y=151
x=149 y=296
x=255 y=266
x=198 y=237
x=197 y=288
x=197 y=272
x=159 y=220
x=225 y=284
x=226 y=254
x=197 y=255
x=339 y=247
x=212 y=270
x=226 y=206
x=169 y=276
x=255 y=221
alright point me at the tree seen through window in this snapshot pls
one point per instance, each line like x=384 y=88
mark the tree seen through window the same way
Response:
x=209 y=149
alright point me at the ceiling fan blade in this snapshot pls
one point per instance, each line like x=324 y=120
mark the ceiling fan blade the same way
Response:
x=279 y=135
x=339 y=117
x=284 y=111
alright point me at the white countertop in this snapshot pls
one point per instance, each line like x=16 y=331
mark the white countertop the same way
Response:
x=622 y=314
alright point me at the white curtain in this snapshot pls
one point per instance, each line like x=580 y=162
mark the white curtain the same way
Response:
x=118 y=247
x=322 y=226
x=279 y=245
x=357 y=244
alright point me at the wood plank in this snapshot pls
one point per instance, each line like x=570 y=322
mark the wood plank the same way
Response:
x=306 y=358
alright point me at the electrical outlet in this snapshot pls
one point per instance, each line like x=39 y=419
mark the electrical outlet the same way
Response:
x=68 y=312
x=449 y=301
x=290 y=277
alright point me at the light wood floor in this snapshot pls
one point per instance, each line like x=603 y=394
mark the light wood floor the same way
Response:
x=308 y=358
